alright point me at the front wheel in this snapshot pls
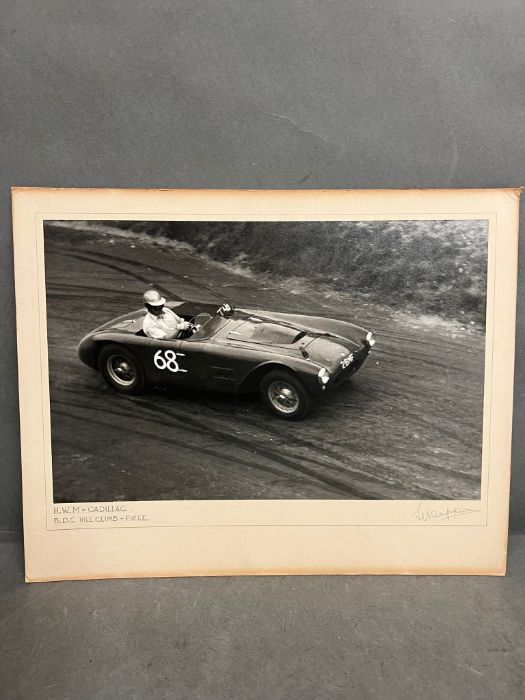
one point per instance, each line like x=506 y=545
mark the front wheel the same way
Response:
x=121 y=369
x=285 y=395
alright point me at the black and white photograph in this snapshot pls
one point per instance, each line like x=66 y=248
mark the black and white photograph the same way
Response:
x=202 y=360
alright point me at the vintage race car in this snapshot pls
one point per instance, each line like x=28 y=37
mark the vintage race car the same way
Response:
x=290 y=359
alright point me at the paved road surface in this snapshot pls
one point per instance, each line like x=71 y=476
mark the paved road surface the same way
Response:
x=407 y=426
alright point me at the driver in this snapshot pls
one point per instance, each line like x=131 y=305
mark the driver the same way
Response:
x=161 y=323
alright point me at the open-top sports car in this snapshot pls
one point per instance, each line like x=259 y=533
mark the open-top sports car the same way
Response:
x=290 y=359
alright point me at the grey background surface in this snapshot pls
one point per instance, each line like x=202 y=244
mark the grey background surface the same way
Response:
x=255 y=94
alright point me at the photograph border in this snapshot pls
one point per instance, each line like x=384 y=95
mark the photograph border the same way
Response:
x=244 y=537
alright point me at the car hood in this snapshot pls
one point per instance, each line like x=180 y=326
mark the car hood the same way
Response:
x=322 y=341
x=314 y=325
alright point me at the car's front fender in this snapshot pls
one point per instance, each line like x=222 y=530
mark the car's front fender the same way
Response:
x=305 y=371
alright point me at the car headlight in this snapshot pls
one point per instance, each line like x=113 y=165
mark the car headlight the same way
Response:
x=370 y=339
x=323 y=376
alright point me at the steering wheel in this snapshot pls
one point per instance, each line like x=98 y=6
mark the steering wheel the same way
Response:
x=197 y=322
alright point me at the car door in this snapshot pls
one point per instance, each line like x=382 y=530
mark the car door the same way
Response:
x=166 y=363
x=216 y=365
x=193 y=357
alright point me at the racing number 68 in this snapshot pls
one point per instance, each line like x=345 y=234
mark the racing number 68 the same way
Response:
x=168 y=361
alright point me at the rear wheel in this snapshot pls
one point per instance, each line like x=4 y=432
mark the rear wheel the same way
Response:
x=285 y=395
x=121 y=369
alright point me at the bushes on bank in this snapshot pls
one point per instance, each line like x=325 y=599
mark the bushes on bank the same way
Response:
x=435 y=267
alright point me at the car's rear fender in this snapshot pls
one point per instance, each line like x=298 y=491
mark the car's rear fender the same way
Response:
x=90 y=347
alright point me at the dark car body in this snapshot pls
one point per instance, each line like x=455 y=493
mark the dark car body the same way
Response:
x=231 y=352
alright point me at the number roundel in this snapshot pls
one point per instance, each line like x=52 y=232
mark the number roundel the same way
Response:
x=168 y=360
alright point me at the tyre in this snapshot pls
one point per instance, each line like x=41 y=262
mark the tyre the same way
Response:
x=121 y=369
x=285 y=395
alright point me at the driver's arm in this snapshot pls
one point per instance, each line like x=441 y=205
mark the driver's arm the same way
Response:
x=154 y=332
x=182 y=325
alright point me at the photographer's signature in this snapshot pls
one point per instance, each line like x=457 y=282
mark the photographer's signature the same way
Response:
x=424 y=514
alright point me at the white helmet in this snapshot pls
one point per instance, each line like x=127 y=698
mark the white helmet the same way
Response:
x=153 y=298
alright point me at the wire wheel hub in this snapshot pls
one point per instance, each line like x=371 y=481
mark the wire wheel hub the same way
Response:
x=283 y=397
x=120 y=370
